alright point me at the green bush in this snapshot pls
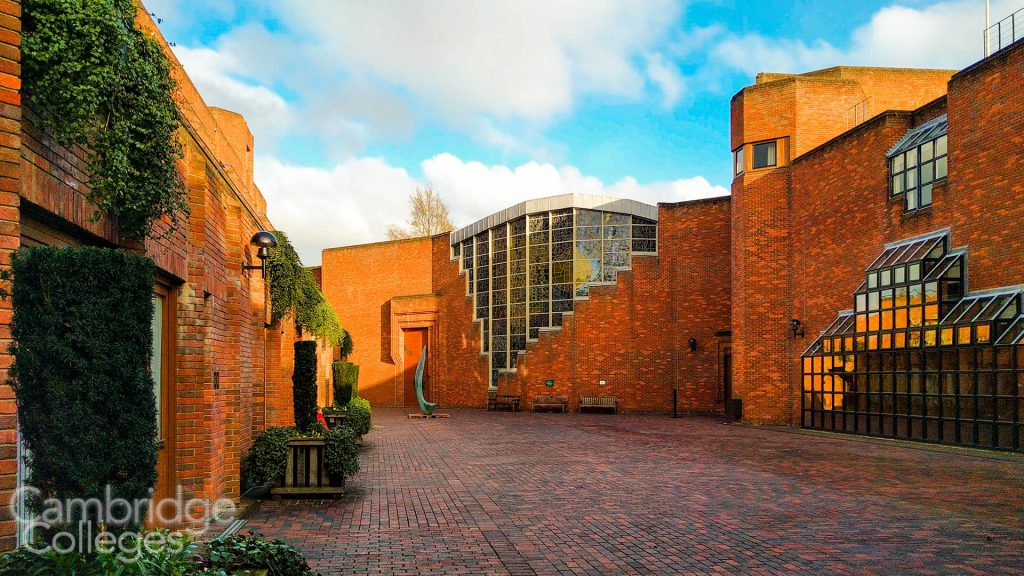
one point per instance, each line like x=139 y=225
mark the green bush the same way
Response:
x=223 y=557
x=95 y=80
x=158 y=561
x=359 y=417
x=294 y=289
x=304 y=385
x=346 y=382
x=81 y=373
x=267 y=459
x=342 y=452
x=251 y=550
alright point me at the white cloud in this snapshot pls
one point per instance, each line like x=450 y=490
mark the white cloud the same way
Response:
x=527 y=59
x=349 y=204
x=665 y=75
x=353 y=202
x=266 y=111
x=943 y=35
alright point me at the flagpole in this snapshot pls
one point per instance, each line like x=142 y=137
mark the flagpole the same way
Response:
x=987 y=44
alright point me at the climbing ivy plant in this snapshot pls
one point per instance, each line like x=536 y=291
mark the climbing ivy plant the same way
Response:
x=293 y=289
x=95 y=80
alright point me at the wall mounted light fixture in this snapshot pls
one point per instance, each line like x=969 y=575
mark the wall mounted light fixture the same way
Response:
x=264 y=241
x=693 y=344
x=796 y=328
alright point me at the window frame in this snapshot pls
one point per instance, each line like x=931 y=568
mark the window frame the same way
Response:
x=753 y=155
x=739 y=165
x=915 y=194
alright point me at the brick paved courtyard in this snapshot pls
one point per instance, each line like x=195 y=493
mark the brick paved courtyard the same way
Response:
x=501 y=493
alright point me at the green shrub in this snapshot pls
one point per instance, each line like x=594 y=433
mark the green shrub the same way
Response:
x=359 y=417
x=81 y=373
x=223 y=557
x=294 y=289
x=251 y=550
x=304 y=385
x=342 y=452
x=346 y=382
x=158 y=561
x=95 y=80
x=268 y=457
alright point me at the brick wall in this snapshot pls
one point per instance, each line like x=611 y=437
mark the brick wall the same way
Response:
x=633 y=335
x=220 y=309
x=10 y=160
x=803 y=234
x=772 y=222
x=360 y=282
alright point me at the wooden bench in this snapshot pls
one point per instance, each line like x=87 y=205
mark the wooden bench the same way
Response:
x=560 y=403
x=503 y=401
x=598 y=403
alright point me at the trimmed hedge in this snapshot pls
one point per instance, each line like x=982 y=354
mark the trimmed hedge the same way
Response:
x=359 y=417
x=346 y=382
x=341 y=455
x=81 y=373
x=304 y=385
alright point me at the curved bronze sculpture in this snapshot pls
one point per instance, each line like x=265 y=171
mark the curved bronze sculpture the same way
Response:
x=426 y=407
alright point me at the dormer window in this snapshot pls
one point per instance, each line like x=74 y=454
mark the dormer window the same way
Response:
x=917 y=161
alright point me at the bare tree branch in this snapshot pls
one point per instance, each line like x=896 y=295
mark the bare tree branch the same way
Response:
x=429 y=216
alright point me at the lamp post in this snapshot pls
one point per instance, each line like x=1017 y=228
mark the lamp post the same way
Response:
x=264 y=241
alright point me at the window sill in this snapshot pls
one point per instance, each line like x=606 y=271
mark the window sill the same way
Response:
x=917 y=212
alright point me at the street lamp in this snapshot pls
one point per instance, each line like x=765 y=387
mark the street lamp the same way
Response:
x=264 y=241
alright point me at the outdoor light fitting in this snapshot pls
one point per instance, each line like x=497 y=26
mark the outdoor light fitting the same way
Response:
x=264 y=241
x=693 y=344
x=796 y=328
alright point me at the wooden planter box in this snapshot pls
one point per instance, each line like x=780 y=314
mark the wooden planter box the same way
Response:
x=305 y=473
x=335 y=419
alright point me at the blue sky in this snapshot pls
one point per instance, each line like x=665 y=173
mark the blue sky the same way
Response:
x=354 y=104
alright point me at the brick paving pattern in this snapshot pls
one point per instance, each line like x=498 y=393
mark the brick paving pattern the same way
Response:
x=502 y=493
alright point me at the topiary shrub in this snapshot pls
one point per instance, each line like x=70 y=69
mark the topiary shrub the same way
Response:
x=81 y=373
x=359 y=418
x=346 y=382
x=342 y=452
x=304 y=385
x=266 y=460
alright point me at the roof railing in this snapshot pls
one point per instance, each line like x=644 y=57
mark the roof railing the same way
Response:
x=1005 y=32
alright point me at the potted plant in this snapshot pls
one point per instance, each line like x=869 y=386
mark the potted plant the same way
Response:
x=305 y=471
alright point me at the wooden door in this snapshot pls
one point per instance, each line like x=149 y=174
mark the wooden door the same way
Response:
x=163 y=370
x=415 y=339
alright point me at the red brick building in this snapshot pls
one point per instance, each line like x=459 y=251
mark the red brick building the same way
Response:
x=892 y=198
x=225 y=373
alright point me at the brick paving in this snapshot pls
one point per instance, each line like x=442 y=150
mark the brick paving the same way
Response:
x=502 y=493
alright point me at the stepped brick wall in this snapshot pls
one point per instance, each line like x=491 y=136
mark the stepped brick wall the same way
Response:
x=633 y=335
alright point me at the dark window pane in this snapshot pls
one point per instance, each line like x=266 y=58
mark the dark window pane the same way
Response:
x=764 y=155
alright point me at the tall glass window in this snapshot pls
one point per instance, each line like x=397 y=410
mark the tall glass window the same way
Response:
x=524 y=275
x=917 y=161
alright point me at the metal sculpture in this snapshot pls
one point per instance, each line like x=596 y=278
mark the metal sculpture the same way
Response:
x=426 y=407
